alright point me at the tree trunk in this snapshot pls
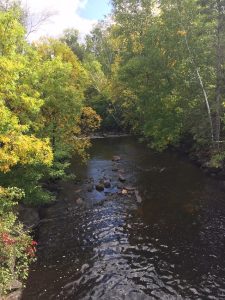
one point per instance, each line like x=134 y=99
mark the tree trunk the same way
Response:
x=219 y=71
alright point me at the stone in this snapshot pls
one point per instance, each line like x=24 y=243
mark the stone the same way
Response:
x=115 y=169
x=116 y=158
x=17 y=295
x=100 y=187
x=122 y=178
x=15 y=285
x=107 y=184
x=129 y=188
x=124 y=192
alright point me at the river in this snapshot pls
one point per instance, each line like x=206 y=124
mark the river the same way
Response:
x=170 y=246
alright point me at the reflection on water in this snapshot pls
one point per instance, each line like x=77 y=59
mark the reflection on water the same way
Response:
x=172 y=246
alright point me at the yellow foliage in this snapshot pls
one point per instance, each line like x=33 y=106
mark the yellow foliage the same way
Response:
x=90 y=120
x=182 y=32
x=18 y=148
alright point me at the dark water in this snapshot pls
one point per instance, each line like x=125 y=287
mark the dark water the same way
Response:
x=172 y=246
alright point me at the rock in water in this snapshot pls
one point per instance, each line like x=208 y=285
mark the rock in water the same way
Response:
x=129 y=188
x=100 y=187
x=107 y=184
x=122 y=178
x=116 y=158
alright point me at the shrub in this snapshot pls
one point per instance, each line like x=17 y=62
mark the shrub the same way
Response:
x=17 y=249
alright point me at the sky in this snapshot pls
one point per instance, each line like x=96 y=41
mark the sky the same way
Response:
x=79 y=14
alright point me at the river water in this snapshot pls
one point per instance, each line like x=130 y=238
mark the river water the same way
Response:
x=171 y=246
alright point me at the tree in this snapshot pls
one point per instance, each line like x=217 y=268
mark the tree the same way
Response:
x=62 y=81
x=71 y=38
x=19 y=102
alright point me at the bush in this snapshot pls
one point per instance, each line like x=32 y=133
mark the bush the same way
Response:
x=17 y=249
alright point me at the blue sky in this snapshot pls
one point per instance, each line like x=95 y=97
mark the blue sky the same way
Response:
x=95 y=10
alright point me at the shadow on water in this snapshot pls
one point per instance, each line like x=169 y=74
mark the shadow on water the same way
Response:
x=172 y=246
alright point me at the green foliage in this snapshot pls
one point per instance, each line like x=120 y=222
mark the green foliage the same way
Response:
x=71 y=38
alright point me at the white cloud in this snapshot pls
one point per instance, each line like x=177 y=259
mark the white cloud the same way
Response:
x=66 y=15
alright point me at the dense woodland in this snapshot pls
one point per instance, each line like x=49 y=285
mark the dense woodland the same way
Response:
x=152 y=68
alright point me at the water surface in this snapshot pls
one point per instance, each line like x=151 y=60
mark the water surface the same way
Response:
x=171 y=246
